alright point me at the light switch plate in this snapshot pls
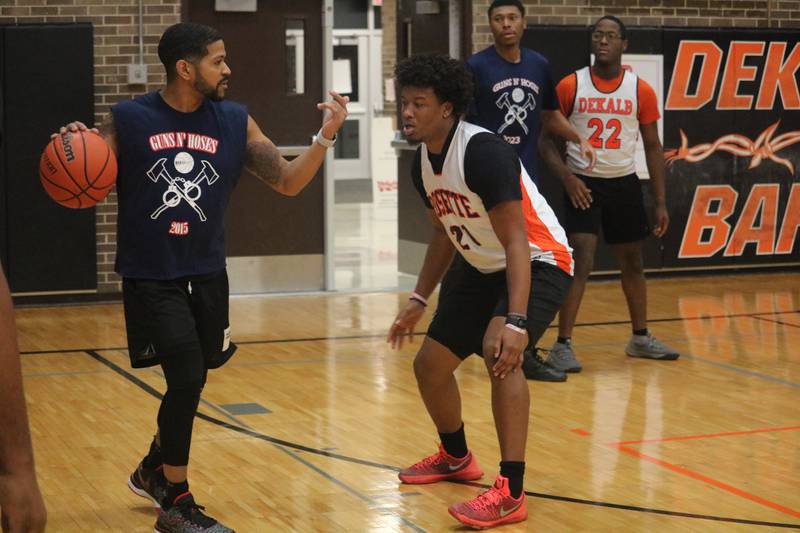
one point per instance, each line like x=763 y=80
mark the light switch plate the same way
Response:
x=137 y=74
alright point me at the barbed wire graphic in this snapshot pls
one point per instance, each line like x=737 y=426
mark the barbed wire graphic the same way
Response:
x=764 y=147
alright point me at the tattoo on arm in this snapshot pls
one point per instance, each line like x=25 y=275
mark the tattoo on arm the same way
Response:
x=107 y=126
x=264 y=160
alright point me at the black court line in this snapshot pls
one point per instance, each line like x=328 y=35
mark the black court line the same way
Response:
x=254 y=434
x=382 y=335
x=776 y=322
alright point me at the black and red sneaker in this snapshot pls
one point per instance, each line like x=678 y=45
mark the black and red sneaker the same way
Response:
x=149 y=483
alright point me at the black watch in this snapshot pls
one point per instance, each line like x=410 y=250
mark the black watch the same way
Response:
x=518 y=321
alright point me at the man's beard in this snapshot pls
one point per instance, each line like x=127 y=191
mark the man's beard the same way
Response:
x=212 y=93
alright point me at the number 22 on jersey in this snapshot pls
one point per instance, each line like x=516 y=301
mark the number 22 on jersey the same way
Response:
x=598 y=140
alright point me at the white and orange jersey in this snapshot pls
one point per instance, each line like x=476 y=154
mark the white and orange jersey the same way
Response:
x=466 y=219
x=608 y=113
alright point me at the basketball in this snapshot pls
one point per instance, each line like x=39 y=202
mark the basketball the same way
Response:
x=78 y=169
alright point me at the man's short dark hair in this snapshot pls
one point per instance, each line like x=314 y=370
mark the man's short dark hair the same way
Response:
x=501 y=3
x=448 y=77
x=185 y=40
x=623 y=31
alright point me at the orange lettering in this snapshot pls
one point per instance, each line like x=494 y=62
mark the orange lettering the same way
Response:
x=762 y=203
x=678 y=96
x=736 y=72
x=791 y=222
x=701 y=218
x=783 y=76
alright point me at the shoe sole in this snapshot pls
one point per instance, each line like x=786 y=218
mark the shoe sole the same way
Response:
x=667 y=357
x=139 y=492
x=435 y=478
x=568 y=370
x=547 y=380
x=476 y=524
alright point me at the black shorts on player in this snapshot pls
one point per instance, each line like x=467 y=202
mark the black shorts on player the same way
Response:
x=468 y=300
x=617 y=207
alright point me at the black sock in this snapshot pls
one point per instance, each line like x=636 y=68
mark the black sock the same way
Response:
x=153 y=458
x=455 y=443
x=642 y=332
x=563 y=340
x=173 y=491
x=514 y=471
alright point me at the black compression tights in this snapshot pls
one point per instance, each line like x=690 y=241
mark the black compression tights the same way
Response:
x=186 y=376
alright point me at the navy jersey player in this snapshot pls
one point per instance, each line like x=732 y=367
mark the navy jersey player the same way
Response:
x=180 y=152
x=515 y=97
x=515 y=272
x=514 y=90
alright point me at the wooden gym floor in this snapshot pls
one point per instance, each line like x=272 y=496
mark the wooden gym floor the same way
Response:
x=706 y=443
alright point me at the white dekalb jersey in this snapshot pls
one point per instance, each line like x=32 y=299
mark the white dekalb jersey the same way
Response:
x=466 y=220
x=610 y=122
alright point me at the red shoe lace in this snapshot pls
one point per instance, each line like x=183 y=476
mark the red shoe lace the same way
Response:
x=430 y=460
x=486 y=500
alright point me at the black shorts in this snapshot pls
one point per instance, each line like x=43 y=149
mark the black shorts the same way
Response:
x=163 y=318
x=468 y=300
x=617 y=206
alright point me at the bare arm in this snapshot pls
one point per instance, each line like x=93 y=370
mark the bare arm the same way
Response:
x=508 y=224
x=552 y=152
x=108 y=132
x=553 y=155
x=438 y=257
x=558 y=126
x=654 y=155
x=20 y=500
x=290 y=177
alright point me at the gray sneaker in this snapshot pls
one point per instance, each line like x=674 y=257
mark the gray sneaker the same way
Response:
x=648 y=347
x=563 y=358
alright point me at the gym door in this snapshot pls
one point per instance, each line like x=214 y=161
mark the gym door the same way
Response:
x=275 y=243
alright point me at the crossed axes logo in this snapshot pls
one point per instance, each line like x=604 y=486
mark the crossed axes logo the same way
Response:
x=515 y=112
x=180 y=189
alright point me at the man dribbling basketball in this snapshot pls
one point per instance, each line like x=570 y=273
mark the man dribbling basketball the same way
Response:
x=180 y=152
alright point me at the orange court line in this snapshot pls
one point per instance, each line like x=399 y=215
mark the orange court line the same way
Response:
x=581 y=432
x=708 y=436
x=710 y=481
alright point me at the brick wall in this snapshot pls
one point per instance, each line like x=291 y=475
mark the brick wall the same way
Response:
x=697 y=13
x=116 y=44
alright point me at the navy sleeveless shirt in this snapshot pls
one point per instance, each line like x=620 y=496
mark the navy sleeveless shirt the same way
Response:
x=176 y=173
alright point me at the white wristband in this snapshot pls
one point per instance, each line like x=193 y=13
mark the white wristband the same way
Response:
x=512 y=327
x=321 y=139
x=418 y=298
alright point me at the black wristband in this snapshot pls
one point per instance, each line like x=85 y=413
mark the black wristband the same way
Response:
x=516 y=320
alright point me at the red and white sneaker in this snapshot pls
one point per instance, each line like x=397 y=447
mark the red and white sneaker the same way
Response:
x=441 y=466
x=492 y=508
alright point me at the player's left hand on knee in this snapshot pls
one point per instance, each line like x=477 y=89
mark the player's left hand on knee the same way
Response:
x=509 y=353
x=334 y=114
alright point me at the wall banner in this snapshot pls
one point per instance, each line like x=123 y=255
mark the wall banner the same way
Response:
x=732 y=147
